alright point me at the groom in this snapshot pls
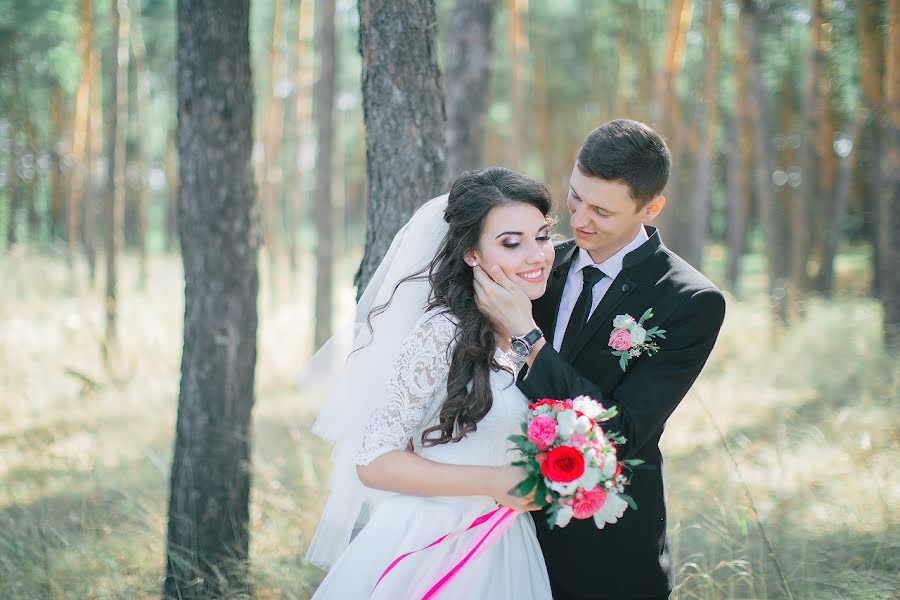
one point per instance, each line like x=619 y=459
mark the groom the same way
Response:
x=616 y=265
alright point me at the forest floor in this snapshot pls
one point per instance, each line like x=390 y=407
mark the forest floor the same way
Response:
x=794 y=432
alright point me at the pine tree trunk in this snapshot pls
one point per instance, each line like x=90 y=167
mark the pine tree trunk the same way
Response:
x=93 y=194
x=889 y=208
x=272 y=126
x=57 y=149
x=324 y=161
x=13 y=185
x=703 y=174
x=140 y=160
x=838 y=217
x=738 y=174
x=871 y=67
x=517 y=43
x=118 y=126
x=80 y=170
x=403 y=109
x=810 y=163
x=749 y=23
x=467 y=62
x=208 y=537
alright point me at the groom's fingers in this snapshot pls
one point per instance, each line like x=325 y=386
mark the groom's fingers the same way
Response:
x=500 y=277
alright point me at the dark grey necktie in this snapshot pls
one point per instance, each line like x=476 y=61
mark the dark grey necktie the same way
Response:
x=582 y=310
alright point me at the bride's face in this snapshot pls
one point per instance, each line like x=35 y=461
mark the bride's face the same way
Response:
x=517 y=238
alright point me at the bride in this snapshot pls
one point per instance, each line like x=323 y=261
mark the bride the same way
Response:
x=423 y=400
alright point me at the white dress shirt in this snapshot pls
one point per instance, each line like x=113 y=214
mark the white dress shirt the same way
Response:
x=611 y=267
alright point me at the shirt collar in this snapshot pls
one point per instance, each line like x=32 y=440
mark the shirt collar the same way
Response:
x=612 y=266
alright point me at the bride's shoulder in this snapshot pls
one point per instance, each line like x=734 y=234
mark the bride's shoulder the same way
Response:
x=438 y=323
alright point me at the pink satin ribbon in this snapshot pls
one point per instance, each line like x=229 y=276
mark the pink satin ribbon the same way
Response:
x=451 y=573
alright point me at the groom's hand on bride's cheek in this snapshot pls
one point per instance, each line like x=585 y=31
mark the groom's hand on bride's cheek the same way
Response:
x=503 y=301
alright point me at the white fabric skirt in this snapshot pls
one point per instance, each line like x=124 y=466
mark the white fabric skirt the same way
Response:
x=508 y=566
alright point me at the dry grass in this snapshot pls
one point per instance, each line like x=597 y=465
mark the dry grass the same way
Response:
x=84 y=447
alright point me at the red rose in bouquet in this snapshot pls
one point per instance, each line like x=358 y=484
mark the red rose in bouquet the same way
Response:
x=563 y=464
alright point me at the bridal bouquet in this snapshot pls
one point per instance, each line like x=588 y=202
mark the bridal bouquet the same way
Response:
x=571 y=462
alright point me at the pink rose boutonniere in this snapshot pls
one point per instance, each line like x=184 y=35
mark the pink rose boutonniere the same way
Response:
x=629 y=339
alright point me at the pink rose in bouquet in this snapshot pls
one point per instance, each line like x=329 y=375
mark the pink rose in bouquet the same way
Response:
x=542 y=431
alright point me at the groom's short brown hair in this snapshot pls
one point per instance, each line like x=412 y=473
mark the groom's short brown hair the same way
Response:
x=628 y=152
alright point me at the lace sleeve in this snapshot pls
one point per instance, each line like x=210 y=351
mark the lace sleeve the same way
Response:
x=419 y=372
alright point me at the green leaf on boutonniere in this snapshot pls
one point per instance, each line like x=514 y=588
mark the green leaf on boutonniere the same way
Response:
x=661 y=334
x=623 y=361
x=647 y=314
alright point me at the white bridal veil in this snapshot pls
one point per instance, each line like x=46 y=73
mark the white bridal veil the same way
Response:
x=352 y=370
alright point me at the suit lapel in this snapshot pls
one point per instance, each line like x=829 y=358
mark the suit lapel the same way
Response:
x=622 y=286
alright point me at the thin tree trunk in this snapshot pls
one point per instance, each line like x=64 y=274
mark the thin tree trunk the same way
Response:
x=517 y=42
x=118 y=126
x=739 y=173
x=403 y=109
x=467 y=62
x=208 y=537
x=826 y=117
x=749 y=23
x=703 y=174
x=889 y=208
x=810 y=162
x=841 y=200
x=667 y=112
x=272 y=126
x=13 y=185
x=324 y=160
x=80 y=169
x=57 y=149
x=140 y=161
x=93 y=194
x=871 y=68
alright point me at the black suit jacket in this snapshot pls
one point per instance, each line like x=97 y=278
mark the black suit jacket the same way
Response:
x=628 y=559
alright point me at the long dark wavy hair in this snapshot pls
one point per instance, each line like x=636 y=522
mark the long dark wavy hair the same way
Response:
x=472 y=196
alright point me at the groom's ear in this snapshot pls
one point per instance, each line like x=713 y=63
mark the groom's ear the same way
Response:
x=652 y=209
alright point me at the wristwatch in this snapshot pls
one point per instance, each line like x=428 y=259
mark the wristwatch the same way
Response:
x=521 y=345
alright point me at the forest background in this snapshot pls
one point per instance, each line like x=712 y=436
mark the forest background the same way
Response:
x=782 y=117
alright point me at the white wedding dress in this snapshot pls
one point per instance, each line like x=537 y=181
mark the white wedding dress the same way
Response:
x=512 y=566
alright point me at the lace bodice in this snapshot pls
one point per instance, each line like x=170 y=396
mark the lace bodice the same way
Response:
x=419 y=377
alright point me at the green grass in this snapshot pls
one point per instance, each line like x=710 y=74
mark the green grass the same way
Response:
x=810 y=418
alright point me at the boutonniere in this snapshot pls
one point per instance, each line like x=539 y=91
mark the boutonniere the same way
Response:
x=629 y=339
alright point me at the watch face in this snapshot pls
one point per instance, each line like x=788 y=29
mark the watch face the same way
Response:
x=519 y=347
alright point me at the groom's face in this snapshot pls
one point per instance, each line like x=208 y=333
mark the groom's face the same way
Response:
x=604 y=217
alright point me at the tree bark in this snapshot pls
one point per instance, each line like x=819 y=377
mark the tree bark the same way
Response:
x=93 y=195
x=208 y=537
x=871 y=67
x=467 y=62
x=403 y=109
x=517 y=42
x=738 y=173
x=699 y=221
x=79 y=173
x=272 y=126
x=118 y=126
x=889 y=208
x=13 y=185
x=749 y=23
x=840 y=201
x=324 y=162
x=810 y=162
x=57 y=149
x=140 y=160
